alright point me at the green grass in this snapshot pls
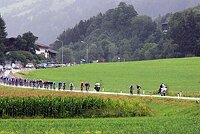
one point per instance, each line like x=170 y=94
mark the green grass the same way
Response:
x=146 y=125
x=179 y=74
x=168 y=116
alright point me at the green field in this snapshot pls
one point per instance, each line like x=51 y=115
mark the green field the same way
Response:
x=168 y=116
x=172 y=116
x=179 y=74
x=146 y=125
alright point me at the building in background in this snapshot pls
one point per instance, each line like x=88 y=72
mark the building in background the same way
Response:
x=46 y=51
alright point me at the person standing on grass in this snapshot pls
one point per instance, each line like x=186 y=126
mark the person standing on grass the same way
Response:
x=131 y=89
x=138 y=89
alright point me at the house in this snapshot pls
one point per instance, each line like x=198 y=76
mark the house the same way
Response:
x=45 y=50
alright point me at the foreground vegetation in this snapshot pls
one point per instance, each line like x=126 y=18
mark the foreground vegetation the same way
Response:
x=167 y=115
x=179 y=75
x=147 y=125
x=68 y=107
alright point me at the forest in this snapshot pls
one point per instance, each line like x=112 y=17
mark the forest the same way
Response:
x=122 y=34
x=18 y=49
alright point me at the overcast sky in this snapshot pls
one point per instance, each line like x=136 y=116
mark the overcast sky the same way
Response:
x=49 y=18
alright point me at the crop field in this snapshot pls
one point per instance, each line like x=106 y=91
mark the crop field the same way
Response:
x=179 y=74
x=144 y=125
x=167 y=116
x=162 y=115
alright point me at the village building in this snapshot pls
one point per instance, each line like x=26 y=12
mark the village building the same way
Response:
x=45 y=50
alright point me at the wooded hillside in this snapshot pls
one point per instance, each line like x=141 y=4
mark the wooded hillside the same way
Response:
x=121 y=32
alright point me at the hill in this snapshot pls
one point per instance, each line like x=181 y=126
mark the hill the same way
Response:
x=48 y=18
x=121 y=33
x=179 y=75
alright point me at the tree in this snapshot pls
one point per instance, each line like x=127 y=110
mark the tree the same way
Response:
x=123 y=15
x=3 y=32
x=67 y=55
x=170 y=50
x=2 y=55
x=125 y=49
x=121 y=32
x=28 y=42
x=143 y=27
x=113 y=50
x=93 y=52
x=22 y=56
x=149 y=51
x=3 y=35
x=21 y=43
x=185 y=31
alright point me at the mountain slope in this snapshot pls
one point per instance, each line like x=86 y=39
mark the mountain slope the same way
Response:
x=48 y=18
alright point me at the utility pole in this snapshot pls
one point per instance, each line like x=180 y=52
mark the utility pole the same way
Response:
x=61 y=52
x=87 y=51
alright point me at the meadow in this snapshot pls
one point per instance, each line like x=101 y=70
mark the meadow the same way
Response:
x=144 y=125
x=167 y=116
x=179 y=75
x=164 y=116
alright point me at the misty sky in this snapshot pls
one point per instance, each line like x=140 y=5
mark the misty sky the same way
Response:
x=49 y=18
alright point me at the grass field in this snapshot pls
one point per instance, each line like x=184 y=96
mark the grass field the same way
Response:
x=179 y=74
x=146 y=125
x=169 y=116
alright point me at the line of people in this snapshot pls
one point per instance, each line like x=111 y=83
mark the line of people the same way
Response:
x=12 y=81
x=162 y=89
x=8 y=80
x=138 y=89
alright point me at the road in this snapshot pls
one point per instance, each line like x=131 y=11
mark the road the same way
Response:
x=7 y=72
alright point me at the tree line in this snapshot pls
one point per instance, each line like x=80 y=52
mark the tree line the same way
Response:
x=118 y=34
x=21 y=48
x=121 y=33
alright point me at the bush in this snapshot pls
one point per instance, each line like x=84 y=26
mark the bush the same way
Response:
x=24 y=57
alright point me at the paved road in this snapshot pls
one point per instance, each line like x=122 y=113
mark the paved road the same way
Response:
x=106 y=93
x=113 y=93
x=12 y=71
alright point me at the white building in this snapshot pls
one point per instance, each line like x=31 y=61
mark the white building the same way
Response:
x=45 y=50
